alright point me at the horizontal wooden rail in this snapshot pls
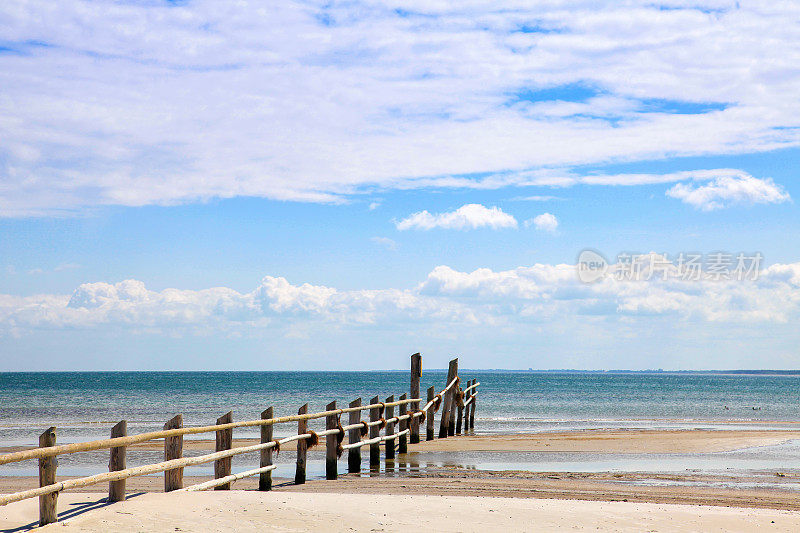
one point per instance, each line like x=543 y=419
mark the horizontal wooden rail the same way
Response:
x=376 y=440
x=471 y=399
x=227 y=479
x=474 y=385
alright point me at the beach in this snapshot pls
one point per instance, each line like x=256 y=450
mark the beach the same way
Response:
x=282 y=511
x=452 y=497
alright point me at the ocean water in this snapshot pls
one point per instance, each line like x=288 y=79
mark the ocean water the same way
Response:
x=85 y=405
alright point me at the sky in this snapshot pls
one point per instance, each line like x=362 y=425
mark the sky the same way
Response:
x=196 y=185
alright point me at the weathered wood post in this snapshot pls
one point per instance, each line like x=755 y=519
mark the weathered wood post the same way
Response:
x=389 y=444
x=429 y=433
x=331 y=440
x=116 y=461
x=467 y=396
x=222 y=467
x=451 y=423
x=47 y=476
x=416 y=373
x=302 y=448
x=472 y=406
x=173 y=449
x=402 y=444
x=265 y=478
x=447 y=401
x=374 y=431
x=460 y=417
x=353 y=436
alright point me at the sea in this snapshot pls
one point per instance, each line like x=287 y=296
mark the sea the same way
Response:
x=85 y=405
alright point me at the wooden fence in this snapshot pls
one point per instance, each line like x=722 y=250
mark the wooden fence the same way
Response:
x=457 y=410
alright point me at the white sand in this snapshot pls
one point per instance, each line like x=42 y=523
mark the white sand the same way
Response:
x=283 y=511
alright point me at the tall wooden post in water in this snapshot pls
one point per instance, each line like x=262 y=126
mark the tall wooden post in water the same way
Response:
x=302 y=447
x=374 y=431
x=447 y=403
x=416 y=373
x=472 y=405
x=402 y=441
x=429 y=427
x=388 y=445
x=354 y=435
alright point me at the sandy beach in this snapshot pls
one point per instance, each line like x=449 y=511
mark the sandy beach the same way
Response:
x=473 y=498
x=282 y=511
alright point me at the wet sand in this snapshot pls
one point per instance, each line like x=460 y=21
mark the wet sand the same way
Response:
x=594 y=440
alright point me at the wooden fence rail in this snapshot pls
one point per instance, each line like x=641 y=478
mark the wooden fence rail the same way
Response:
x=399 y=430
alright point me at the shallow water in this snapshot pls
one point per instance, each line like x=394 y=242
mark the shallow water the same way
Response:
x=85 y=405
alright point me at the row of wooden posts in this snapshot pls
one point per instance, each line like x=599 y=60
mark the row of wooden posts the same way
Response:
x=458 y=409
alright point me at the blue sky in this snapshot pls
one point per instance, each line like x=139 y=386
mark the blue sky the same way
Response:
x=190 y=186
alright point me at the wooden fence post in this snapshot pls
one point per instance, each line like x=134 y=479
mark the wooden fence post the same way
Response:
x=222 y=467
x=47 y=476
x=447 y=402
x=472 y=406
x=429 y=433
x=265 y=478
x=416 y=373
x=302 y=447
x=389 y=444
x=468 y=407
x=451 y=423
x=331 y=440
x=354 y=435
x=402 y=444
x=460 y=416
x=173 y=449
x=374 y=431
x=116 y=461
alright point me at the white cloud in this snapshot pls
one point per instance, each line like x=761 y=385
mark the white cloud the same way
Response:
x=469 y=216
x=386 y=242
x=545 y=221
x=545 y=295
x=374 y=205
x=364 y=95
x=728 y=190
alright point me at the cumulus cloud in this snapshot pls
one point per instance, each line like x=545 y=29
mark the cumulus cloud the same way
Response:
x=469 y=216
x=360 y=95
x=729 y=190
x=542 y=294
x=545 y=222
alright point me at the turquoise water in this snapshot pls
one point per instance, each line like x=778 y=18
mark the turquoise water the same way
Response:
x=84 y=406
x=87 y=404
